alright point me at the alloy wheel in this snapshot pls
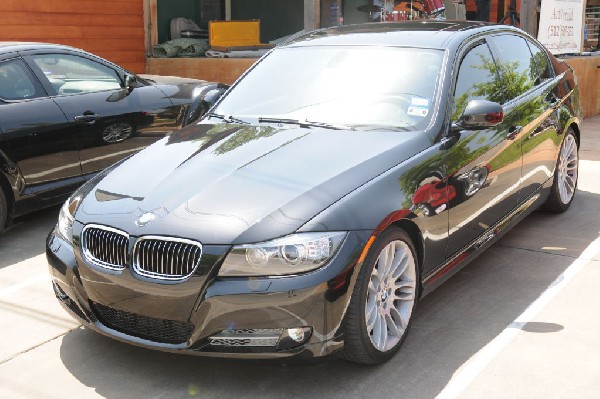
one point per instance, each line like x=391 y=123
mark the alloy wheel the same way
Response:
x=567 y=169
x=117 y=132
x=391 y=295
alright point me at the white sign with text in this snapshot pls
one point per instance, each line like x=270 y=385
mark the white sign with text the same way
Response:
x=561 y=24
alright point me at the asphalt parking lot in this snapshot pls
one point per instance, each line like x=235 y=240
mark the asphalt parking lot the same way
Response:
x=521 y=321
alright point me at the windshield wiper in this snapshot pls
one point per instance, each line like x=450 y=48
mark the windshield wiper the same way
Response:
x=305 y=123
x=226 y=118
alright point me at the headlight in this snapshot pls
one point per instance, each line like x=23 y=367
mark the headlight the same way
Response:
x=64 y=226
x=293 y=254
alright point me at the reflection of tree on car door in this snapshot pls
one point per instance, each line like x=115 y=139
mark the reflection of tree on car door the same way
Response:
x=485 y=176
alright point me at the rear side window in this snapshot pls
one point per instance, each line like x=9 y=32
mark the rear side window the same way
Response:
x=17 y=82
x=516 y=64
x=477 y=79
x=542 y=69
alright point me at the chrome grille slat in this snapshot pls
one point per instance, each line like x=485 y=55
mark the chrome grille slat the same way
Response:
x=166 y=258
x=105 y=246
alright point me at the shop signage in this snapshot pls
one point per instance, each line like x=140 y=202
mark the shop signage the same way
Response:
x=561 y=24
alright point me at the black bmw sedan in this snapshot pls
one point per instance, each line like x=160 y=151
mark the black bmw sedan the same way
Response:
x=346 y=175
x=66 y=114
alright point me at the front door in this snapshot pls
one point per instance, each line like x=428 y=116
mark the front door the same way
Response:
x=484 y=165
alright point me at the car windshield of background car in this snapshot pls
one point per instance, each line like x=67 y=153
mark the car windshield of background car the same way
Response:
x=362 y=87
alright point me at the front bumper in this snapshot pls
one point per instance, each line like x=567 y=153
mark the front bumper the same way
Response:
x=209 y=315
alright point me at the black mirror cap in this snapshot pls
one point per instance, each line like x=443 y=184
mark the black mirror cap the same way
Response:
x=130 y=82
x=481 y=114
x=204 y=99
x=213 y=95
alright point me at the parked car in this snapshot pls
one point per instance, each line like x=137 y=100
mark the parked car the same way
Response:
x=346 y=175
x=66 y=114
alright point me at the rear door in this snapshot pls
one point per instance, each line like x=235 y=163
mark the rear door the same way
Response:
x=37 y=133
x=531 y=94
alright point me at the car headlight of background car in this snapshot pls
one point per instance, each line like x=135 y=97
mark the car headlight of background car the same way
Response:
x=64 y=227
x=292 y=254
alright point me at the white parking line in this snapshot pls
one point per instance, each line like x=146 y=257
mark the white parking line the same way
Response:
x=478 y=362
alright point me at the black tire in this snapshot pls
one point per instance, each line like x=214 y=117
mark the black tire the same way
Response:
x=568 y=167
x=3 y=210
x=359 y=340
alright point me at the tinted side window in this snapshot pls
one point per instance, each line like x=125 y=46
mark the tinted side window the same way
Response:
x=516 y=64
x=70 y=74
x=542 y=68
x=477 y=79
x=17 y=81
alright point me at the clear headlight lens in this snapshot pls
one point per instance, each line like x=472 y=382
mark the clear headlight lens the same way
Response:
x=292 y=254
x=64 y=226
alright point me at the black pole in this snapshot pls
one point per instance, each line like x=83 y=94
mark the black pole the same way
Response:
x=512 y=15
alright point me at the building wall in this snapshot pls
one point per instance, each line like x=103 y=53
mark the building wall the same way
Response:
x=112 y=29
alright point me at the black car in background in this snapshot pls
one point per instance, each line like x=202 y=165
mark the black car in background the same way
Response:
x=346 y=175
x=66 y=114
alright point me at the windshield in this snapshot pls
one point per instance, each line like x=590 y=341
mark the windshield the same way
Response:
x=353 y=86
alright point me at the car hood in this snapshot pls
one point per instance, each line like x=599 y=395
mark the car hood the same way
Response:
x=179 y=90
x=232 y=183
x=170 y=80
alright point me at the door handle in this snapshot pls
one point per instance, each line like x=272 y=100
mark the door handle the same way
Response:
x=513 y=132
x=88 y=118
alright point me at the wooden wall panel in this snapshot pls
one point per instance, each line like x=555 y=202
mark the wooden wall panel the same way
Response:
x=112 y=29
x=587 y=70
x=225 y=70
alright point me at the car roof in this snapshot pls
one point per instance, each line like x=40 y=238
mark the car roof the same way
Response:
x=428 y=34
x=7 y=47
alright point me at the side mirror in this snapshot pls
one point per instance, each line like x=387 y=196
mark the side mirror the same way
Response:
x=213 y=95
x=480 y=114
x=130 y=82
x=205 y=98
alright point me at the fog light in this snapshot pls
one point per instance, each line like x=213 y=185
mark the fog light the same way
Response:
x=293 y=337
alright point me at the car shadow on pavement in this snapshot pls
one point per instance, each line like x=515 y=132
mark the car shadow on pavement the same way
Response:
x=21 y=240
x=451 y=325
